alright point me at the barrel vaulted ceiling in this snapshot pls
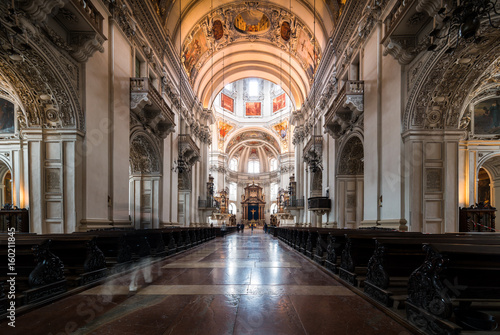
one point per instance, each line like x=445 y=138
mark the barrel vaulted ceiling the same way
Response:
x=223 y=41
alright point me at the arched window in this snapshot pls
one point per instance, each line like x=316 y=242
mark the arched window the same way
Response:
x=232 y=208
x=253 y=88
x=274 y=191
x=233 y=164
x=232 y=191
x=253 y=166
x=273 y=164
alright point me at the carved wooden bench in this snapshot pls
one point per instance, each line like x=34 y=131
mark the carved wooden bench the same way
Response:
x=39 y=273
x=114 y=245
x=358 y=249
x=452 y=277
x=83 y=261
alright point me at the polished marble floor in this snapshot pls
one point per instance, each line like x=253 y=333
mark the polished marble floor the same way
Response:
x=246 y=283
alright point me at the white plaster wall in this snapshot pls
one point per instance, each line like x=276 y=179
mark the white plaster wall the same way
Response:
x=96 y=143
x=391 y=140
x=123 y=65
x=167 y=182
x=369 y=75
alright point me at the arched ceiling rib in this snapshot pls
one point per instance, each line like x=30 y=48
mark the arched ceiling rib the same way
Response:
x=265 y=54
x=247 y=134
x=193 y=11
x=258 y=62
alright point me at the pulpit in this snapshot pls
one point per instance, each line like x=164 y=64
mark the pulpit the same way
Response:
x=253 y=204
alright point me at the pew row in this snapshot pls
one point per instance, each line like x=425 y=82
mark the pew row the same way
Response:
x=48 y=266
x=445 y=283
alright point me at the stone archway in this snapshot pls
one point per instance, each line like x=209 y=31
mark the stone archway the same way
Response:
x=491 y=179
x=350 y=183
x=44 y=85
x=144 y=181
x=6 y=196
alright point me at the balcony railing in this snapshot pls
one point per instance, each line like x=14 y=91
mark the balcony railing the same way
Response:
x=294 y=203
x=348 y=105
x=315 y=143
x=150 y=106
x=320 y=205
x=189 y=153
x=397 y=13
x=91 y=14
x=16 y=218
x=188 y=141
x=210 y=204
x=477 y=219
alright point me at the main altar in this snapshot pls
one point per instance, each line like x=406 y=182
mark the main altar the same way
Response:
x=253 y=204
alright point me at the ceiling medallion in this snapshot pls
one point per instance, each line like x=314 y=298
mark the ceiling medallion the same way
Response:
x=218 y=29
x=285 y=31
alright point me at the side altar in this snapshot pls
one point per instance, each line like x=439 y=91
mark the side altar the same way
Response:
x=253 y=204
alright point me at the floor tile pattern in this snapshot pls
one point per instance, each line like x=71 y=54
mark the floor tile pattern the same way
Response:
x=246 y=283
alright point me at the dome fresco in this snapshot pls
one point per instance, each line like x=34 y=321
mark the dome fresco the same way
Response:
x=252 y=22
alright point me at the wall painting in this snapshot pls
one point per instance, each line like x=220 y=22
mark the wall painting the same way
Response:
x=6 y=117
x=227 y=103
x=218 y=30
x=305 y=50
x=193 y=52
x=224 y=129
x=252 y=109
x=487 y=117
x=279 y=103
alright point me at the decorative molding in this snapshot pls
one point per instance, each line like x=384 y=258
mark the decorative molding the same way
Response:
x=431 y=7
x=45 y=71
x=150 y=107
x=351 y=158
x=39 y=9
x=442 y=83
x=227 y=14
x=403 y=49
x=144 y=155
x=85 y=44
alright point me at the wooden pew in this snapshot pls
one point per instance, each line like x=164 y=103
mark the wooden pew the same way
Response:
x=358 y=249
x=187 y=238
x=39 y=272
x=114 y=245
x=311 y=242
x=168 y=237
x=452 y=277
x=155 y=240
x=394 y=260
x=326 y=250
x=332 y=241
x=83 y=261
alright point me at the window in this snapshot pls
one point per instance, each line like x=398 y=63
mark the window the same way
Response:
x=137 y=67
x=232 y=191
x=274 y=164
x=254 y=166
x=274 y=191
x=232 y=208
x=233 y=164
x=253 y=88
x=229 y=87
